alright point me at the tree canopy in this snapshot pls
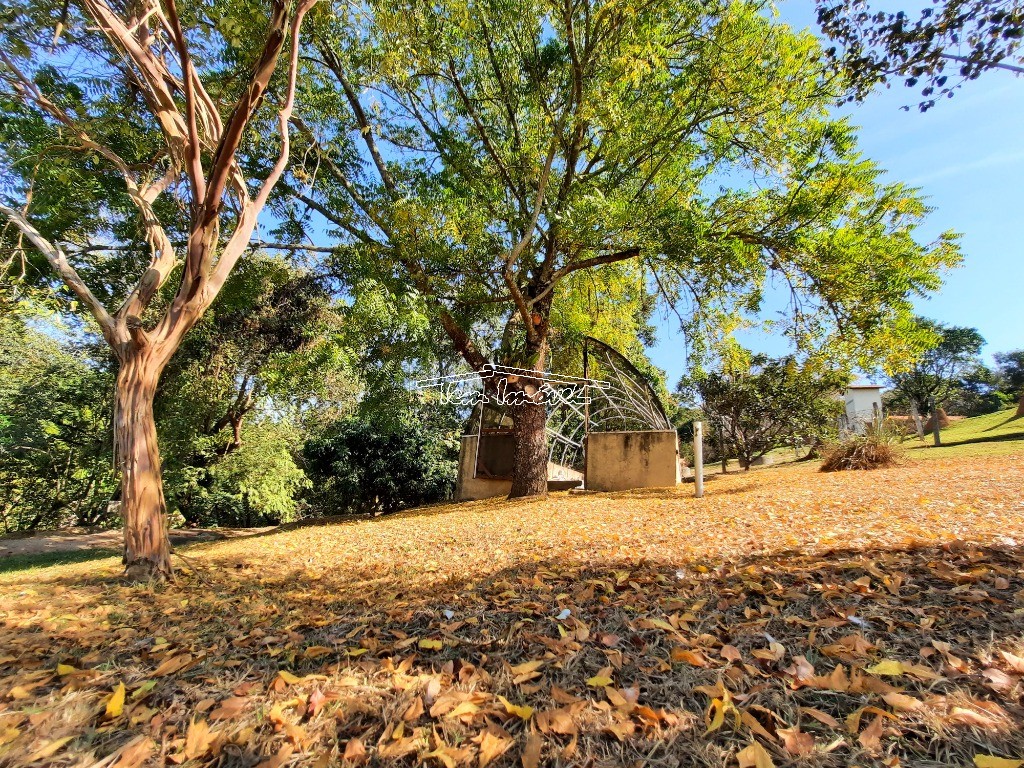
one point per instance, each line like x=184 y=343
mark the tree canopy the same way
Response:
x=482 y=155
x=940 y=369
x=499 y=150
x=949 y=43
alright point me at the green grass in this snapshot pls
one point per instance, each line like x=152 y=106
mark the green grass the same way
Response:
x=994 y=434
x=15 y=563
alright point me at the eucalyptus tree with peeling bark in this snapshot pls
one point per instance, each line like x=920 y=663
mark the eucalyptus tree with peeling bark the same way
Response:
x=185 y=157
x=487 y=154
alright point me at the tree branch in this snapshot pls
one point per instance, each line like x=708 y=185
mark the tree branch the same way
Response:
x=247 y=221
x=193 y=153
x=365 y=129
x=519 y=247
x=63 y=268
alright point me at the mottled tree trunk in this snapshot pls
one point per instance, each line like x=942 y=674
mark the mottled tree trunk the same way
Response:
x=147 y=552
x=918 y=424
x=530 y=460
x=1020 y=405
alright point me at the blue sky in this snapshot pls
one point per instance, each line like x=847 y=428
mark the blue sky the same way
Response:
x=967 y=156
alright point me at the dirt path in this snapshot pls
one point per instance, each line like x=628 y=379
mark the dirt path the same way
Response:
x=69 y=541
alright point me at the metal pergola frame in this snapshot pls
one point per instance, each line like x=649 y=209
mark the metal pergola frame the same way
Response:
x=617 y=397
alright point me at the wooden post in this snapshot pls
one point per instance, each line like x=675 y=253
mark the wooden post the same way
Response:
x=698 y=459
x=935 y=422
x=586 y=411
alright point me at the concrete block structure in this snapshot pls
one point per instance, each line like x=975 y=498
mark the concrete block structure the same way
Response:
x=469 y=487
x=619 y=461
x=606 y=430
x=863 y=407
x=471 y=484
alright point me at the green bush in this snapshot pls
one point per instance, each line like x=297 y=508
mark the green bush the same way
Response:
x=381 y=462
x=257 y=484
x=55 y=431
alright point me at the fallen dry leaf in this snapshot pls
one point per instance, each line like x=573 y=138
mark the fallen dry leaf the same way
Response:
x=493 y=742
x=754 y=756
x=991 y=761
x=115 y=705
x=796 y=741
x=355 y=752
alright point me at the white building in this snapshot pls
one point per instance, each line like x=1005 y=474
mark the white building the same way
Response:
x=863 y=407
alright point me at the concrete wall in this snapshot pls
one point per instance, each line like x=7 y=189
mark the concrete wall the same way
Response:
x=469 y=488
x=619 y=461
x=616 y=461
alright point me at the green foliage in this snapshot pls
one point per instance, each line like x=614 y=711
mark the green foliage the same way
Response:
x=941 y=369
x=379 y=461
x=1010 y=367
x=977 y=392
x=267 y=362
x=707 y=161
x=55 y=424
x=759 y=404
x=949 y=43
x=257 y=484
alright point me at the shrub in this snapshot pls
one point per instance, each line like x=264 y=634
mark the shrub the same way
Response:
x=380 y=462
x=874 y=450
x=257 y=484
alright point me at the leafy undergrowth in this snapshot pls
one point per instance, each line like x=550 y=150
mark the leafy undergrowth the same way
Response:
x=788 y=618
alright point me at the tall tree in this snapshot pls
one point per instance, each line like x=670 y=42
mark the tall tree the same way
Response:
x=159 y=101
x=1011 y=375
x=484 y=154
x=939 y=370
x=949 y=43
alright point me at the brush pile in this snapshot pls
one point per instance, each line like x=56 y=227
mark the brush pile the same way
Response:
x=870 y=451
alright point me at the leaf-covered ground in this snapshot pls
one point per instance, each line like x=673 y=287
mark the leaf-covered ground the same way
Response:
x=788 y=618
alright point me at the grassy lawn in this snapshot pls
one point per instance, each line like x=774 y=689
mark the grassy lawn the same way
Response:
x=40 y=560
x=809 y=619
x=994 y=434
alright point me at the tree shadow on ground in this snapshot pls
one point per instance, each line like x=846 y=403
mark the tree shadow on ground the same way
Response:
x=991 y=439
x=13 y=563
x=1012 y=417
x=619 y=661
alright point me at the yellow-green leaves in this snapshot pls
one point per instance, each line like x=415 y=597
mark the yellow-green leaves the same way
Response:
x=115 y=704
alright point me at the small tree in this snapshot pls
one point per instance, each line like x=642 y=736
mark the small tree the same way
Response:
x=146 y=115
x=1011 y=375
x=937 y=373
x=760 y=404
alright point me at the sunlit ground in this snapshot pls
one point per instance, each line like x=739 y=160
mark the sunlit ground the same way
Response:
x=870 y=618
